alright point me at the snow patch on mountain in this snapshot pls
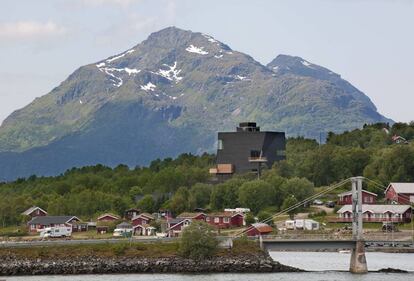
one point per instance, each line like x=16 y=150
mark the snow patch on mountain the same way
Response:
x=117 y=81
x=172 y=73
x=130 y=70
x=239 y=77
x=119 y=56
x=197 y=50
x=218 y=56
x=149 y=87
x=307 y=64
x=210 y=39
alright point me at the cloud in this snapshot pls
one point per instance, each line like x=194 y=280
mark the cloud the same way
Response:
x=28 y=30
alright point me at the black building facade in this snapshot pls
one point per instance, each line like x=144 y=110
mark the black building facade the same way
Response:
x=248 y=150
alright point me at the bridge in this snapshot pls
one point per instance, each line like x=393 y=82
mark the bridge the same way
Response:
x=354 y=242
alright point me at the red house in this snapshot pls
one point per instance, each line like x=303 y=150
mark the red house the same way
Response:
x=142 y=219
x=258 y=229
x=225 y=219
x=41 y=222
x=34 y=212
x=176 y=226
x=192 y=216
x=400 y=192
x=377 y=213
x=108 y=217
x=141 y=225
x=130 y=213
x=367 y=198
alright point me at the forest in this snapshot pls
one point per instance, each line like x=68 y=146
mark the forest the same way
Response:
x=183 y=184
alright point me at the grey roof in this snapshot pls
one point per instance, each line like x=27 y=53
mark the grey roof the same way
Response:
x=402 y=187
x=174 y=221
x=377 y=209
x=47 y=220
x=32 y=209
x=124 y=225
x=350 y=192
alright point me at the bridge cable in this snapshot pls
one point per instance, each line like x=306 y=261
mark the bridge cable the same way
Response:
x=297 y=205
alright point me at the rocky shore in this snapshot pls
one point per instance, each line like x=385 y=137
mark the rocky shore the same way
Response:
x=100 y=265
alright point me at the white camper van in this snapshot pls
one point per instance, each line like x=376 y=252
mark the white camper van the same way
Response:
x=299 y=224
x=57 y=231
x=311 y=225
x=290 y=224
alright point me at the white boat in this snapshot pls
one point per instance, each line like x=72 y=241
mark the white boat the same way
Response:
x=344 y=251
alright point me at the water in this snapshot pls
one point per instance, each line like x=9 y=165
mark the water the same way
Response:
x=312 y=276
x=318 y=261
x=321 y=263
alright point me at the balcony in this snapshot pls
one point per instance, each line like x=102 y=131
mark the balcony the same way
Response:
x=259 y=159
x=222 y=169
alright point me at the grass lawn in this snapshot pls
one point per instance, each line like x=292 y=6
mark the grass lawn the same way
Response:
x=124 y=249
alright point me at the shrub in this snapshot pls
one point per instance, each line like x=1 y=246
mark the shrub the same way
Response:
x=321 y=213
x=198 y=241
x=249 y=219
x=263 y=215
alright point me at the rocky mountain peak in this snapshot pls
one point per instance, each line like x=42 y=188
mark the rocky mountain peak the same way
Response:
x=299 y=66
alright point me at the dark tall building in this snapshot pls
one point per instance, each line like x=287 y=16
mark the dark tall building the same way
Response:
x=248 y=150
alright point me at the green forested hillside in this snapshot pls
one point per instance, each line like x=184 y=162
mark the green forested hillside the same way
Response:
x=183 y=184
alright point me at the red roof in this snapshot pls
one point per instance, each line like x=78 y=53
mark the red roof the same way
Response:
x=262 y=227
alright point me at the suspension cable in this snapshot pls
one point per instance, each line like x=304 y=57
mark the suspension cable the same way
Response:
x=299 y=204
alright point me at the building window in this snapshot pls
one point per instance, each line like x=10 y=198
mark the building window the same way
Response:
x=207 y=218
x=220 y=144
x=216 y=220
x=226 y=220
x=254 y=153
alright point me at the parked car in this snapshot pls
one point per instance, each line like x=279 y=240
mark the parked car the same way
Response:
x=317 y=202
x=389 y=227
x=330 y=204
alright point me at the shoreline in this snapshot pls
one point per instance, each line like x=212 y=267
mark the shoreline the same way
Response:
x=258 y=263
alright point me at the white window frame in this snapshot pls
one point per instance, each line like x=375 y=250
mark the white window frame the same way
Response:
x=216 y=219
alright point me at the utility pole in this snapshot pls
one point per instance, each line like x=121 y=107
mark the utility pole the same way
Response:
x=358 y=260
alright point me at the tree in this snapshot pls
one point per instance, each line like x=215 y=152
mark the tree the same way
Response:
x=289 y=202
x=147 y=203
x=300 y=188
x=256 y=195
x=199 y=195
x=179 y=201
x=263 y=215
x=249 y=219
x=198 y=241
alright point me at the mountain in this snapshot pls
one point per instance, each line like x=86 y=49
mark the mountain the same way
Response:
x=171 y=94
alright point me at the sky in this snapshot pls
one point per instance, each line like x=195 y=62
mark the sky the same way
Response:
x=369 y=42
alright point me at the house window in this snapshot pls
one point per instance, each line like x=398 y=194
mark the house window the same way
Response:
x=220 y=144
x=216 y=220
x=207 y=218
x=226 y=220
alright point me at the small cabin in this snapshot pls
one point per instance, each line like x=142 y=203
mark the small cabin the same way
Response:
x=34 y=212
x=108 y=217
x=345 y=198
